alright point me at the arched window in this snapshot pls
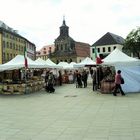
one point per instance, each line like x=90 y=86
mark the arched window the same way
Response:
x=61 y=48
x=57 y=61
x=70 y=60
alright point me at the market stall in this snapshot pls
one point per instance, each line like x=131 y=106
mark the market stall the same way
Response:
x=15 y=79
x=14 y=82
x=130 y=69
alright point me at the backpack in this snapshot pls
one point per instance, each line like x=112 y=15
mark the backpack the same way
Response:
x=122 y=80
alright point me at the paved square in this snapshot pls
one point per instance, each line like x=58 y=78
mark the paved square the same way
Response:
x=70 y=114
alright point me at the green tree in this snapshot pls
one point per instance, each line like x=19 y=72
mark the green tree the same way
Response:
x=132 y=42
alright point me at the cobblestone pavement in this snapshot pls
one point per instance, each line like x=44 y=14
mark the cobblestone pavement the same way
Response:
x=70 y=114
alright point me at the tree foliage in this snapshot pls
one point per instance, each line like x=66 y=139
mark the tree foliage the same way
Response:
x=132 y=42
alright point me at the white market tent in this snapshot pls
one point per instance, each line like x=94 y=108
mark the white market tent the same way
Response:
x=87 y=61
x=130 y=68
x=118 y=58
x=41 y=61
x=46 y=64
x=52 y=64
x=18 y=62
x=64 y=65
x=70 y=66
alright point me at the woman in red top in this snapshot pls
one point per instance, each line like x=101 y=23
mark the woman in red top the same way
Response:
x=118 y=83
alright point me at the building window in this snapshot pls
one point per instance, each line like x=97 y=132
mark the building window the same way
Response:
x=114 y=47
x=70 y=60
x=44 y=52
x=57 y=48
x=7 y=44
x=61 y=48
x=13 y=46
x=109 y=49
x=103 y=49
x=11 y=56
x=7 y=56
x=3 y=57
x=98 y=50
x=65 y=46
x=10 y=45
x=3 y=44
x=93 y=50
x=57 y=61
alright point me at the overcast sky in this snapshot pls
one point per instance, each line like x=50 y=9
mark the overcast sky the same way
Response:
x=88 y=20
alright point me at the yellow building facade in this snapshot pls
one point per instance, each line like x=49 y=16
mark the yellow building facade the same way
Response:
x=0 y=48
x=12 y=44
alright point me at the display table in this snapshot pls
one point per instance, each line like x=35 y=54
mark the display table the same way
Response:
x=29 y=87
x=107 y=87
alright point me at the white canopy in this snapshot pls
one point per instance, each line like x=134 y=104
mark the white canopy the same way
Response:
x=118 y=58
x=87 y=61
x=130 y=68
x=17 y=63
x=64 y=65
x=131 y=77
x=49 y=62
x=70 y=65
x=52 y=64
x=41 y=61
x=46 y=64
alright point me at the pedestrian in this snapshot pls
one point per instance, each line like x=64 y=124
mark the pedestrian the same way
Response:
x=118 y=78
x=79 y=80
x=94 y=80
x=60 y=78
x=50 y=83
x=84 y=78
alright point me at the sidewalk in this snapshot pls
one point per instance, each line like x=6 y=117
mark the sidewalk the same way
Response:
x=70 y=114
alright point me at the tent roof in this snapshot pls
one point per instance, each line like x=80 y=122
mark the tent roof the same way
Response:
x=50 y=62
x=18 y=62
x=87 y=61
x=63 y=64
x=117 y=57
x=41 y=61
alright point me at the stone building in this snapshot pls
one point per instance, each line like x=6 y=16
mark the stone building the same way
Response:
x=12 y=44
x=67 y=49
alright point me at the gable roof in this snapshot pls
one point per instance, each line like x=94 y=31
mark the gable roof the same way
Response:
x=82 y=49
x=109 y=39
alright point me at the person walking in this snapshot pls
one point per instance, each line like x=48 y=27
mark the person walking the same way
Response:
x=60 y=78
x=84 y=78
x=94 y=80
x=50 y=83
x=118 y=78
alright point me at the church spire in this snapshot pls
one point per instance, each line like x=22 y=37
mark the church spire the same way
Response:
x=64 y=29
x=64 y=22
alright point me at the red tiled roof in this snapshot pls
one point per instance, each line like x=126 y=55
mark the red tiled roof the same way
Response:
x=82 y=49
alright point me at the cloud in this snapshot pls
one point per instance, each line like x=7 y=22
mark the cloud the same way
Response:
x=88 y=20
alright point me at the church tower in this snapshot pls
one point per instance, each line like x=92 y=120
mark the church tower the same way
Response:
x=67 y=49
x=64 y=44
x=64 y=29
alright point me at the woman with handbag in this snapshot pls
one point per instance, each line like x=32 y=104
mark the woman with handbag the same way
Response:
x=118 y=80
